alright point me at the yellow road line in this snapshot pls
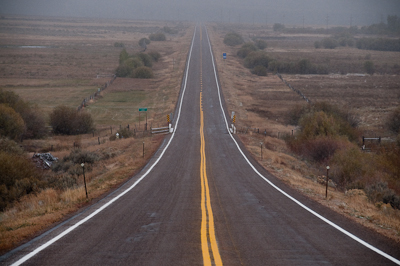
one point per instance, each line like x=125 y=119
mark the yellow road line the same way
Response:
x=206 y=210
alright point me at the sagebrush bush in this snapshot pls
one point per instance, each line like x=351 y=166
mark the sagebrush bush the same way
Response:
x=154 y=55
x=125 y=133
x=393 y=121
x=10 y=146
x=257 y=58
x=68 y=121
x=157 y=37
x=259 y=70
x=380 y=192
x=18 y=177
x=233 y=39
x=261 y=44
x=143 y=73
x=246 y=49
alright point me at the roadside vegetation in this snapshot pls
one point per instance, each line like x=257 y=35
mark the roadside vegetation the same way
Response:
x=329 y=136
x=34 y=194
x=137 y=65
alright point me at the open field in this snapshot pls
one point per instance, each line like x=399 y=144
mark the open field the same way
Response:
x=60 y=67
x=262 y=102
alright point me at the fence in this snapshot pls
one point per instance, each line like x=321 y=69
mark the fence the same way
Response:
x=97 y=93
x=293 y=89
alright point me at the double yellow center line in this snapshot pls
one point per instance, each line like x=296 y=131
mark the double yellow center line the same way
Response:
x=208 y=240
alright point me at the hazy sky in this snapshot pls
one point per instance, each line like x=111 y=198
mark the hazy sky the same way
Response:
x=322 y=12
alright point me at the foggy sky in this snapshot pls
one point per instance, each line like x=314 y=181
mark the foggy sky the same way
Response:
x=288 y=12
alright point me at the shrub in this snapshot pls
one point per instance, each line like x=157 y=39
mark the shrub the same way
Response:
x=259 y=70
x=233 y=39
x=380 y=192
x=125 y=133
x=33 y=119
x=10 y=146
x=257 y=58
x=278 y=27
x=66 y=120
x=169 y=30
x=11 y=123
x=18 y=177
x=329 y=43
x=123 y=55
x=154 y=55
x=144 y=42
x=143 y=73
x=146 y=59
x=393 y=121
x=119 y=44
x=157 y=36
x=123 y=70
x=246 y=49
x=349 y=166
x=369 y=67
x=317 y=44
x=261 y=44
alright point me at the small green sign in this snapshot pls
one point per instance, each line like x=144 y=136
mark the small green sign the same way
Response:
x=142 y=109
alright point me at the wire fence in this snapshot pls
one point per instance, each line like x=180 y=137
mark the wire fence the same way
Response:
x=96 y=94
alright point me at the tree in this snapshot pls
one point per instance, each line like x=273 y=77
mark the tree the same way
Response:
x=66 y=120
x=369 y=67
x=11 y=123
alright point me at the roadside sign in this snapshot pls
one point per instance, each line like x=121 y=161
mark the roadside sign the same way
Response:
x=142 y=109
x=224 y=55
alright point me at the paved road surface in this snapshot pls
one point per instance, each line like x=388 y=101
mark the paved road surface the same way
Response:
x=202 y=203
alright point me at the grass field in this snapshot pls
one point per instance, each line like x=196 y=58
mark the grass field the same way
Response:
x=64 y=72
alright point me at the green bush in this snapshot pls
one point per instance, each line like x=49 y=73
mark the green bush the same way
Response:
x=143 y=73
x=257 y=58
x=11 y=123
x=378 y=44
x=259 y=70
x=157 y=36
x=246 y=49
x=146 y=59
x=233 y=39
x=123 y=70
x=369 y=67
x=154 y=55
x=393 y=121
x=143 y=42
x=317 y=44
x=123 y=55
x=261 y=44
x=67 y=121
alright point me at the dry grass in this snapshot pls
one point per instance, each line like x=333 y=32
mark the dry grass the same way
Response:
x=65 y=74
x=261 y=103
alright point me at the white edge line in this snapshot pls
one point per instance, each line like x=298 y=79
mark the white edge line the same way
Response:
x=70 y=229
x=380 y=252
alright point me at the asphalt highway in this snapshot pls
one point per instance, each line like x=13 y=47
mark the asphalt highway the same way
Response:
x=199 y=201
